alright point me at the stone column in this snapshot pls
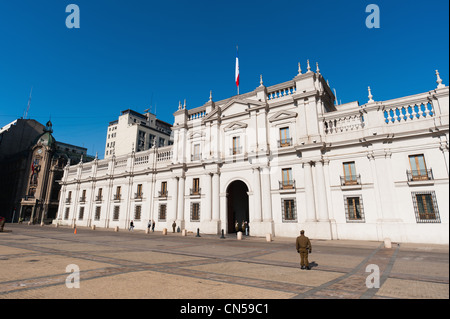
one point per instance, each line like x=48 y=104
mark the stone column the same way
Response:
x=266 y=195
x=257 y=217
x=207 y=215
x=322 y=201
x=309 y=193
x=216 y=197
x=180 y=211
x=173 y=191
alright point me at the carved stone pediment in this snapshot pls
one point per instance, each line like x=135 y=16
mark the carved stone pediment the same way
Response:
x=282 y=115
x=235 y=126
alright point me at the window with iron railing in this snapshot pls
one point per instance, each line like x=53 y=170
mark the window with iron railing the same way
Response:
x=162 y=212
x=195 y=212
x=83 y=196
x=163 y=191
x=285 y=139
x=425 y=207
x=195 y=190
x=350 y=177
x=237 y=148
x=354 y=210
x=419 y=171
x=99 y=196
x=196 y=155
x=287 y=181
x=289 y=213
x=139 y=193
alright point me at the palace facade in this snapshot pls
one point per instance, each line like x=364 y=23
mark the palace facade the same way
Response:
x=282 y=158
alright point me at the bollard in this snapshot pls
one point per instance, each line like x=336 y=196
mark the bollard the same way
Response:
x=387 y=243
x=239 y=235
x=164 y=231
x=198 y=233
x=116 y=229
x=222 y=237
x=268 y=237
x=183 y=232
x=93 y=227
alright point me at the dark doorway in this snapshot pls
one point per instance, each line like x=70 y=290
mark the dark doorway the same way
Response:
x=237 y=205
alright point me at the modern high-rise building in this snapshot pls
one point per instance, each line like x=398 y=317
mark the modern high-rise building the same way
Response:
x=136 y=132
x=280 y=159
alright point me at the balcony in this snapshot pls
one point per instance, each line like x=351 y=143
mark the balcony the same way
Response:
x=163 y=193
x=98 y=198
x=82 y=200
x=117 y=197
x=138 y=196
x=236 y=150
x=419 y=175
x=287 y=185
x=196 y=157
x=195 y=191
x=285 y=142
x=68 y=200
x=350 y=180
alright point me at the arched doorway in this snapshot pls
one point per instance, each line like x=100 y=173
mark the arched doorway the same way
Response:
x=237 y=205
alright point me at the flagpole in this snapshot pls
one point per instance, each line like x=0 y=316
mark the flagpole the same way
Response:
x=237 y=69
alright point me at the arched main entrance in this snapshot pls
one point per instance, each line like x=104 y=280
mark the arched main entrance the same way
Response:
x=237 y=205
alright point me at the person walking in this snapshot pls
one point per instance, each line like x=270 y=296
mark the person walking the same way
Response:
x=303 y=246
x=149 y=225
x=153 y=226
x=131 y=226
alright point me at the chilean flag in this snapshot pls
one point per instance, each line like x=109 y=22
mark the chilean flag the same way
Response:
x=237 y=69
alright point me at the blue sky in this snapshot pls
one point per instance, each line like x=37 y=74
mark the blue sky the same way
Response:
x=134 y=53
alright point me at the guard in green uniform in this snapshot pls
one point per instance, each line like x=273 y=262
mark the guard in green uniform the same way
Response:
x=303 y=246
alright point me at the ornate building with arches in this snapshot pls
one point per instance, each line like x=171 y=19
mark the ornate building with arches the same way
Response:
x=282 y=158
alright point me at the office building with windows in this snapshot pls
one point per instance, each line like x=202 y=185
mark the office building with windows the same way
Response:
x=282 y=158
x=136 y=132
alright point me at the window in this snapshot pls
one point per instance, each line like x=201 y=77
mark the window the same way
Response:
x=236 y=145
x=162 y=212
x=66 y=214
x=97 y=212
x=195 y=212
x=425 y=207
x=99 y=194
x=137 y=212
x=196 y=152
x=195 y=186
x=418 y=168
x=285 y=139
x=287 y=181
x=118 y=193
x=81 y=213
x=69 y=198
x=354 y=211
x=163 y=192
x=288 y=210
x=350 y=177
x=83 y=197
x=138 y=194
x=116 y=212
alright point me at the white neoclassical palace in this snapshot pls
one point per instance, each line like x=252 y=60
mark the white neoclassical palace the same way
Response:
x=282 y=158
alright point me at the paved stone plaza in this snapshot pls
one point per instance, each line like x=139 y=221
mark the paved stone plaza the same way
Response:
x=33 y=261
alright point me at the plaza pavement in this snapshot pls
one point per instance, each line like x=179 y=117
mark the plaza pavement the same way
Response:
x=113 y=265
